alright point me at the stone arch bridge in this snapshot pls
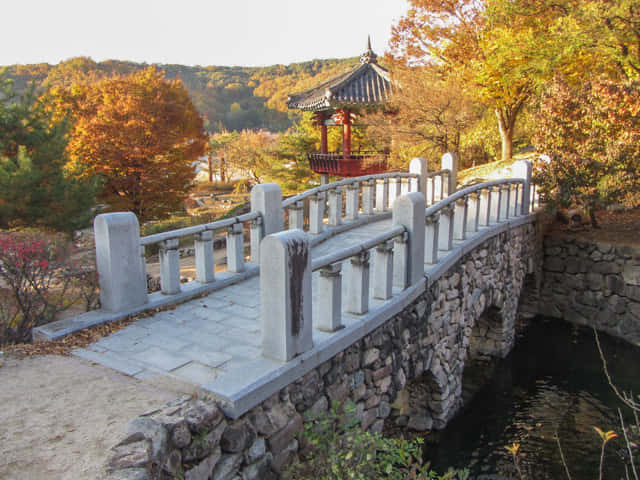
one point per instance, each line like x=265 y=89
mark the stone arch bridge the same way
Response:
x=376 y=282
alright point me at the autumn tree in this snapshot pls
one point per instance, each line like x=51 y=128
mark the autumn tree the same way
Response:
x=141 y=134
x=592 y=136
x=35 y=188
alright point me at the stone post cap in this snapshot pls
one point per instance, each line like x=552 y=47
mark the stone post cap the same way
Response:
x=116 y=219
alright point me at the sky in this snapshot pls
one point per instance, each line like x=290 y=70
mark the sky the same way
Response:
x=194 y=32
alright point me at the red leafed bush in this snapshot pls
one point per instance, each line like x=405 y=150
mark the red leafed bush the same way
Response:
x=35 y=282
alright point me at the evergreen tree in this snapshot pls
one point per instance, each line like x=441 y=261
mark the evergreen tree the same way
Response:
x=35 y=190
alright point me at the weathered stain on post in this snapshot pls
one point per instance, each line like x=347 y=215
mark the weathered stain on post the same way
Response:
x=298 y=259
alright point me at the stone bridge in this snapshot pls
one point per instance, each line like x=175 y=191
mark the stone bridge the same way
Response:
x=379 y=284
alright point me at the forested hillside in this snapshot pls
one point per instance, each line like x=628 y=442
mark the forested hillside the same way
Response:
x=231 y=98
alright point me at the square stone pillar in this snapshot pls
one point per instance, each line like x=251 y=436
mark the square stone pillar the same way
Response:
x=495 y=202
x=330 y=291
x=473 y=212
x=368 y=190
x=409 y=211
x=450 y=162
x=205 y=267
x=317 y=205
x=266 y=198
x=432 y=227
x=358 y=285
x=522 y=169
x=296 y=215
x=460 y=219
x=353 y=201
x=395 y=187
x=235 y=248
x=335 y=207
x=420 y=166
x=121 y=272
x=170 y=266
x=285 y=295
x=445 y=237
x=383 y=271
x=256 y=234
x=485 y=207
x=382 y=194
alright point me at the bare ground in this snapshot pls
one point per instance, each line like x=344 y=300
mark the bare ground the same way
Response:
x=59 y=416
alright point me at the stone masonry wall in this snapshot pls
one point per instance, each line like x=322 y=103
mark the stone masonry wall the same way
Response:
x=592 y=284
x=408 y=371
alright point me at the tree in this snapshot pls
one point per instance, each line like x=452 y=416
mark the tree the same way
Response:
x=592 y=136
x=140 y=133
x=35 y=188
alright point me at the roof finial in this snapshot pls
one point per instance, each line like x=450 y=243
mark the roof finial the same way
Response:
x=368 y=56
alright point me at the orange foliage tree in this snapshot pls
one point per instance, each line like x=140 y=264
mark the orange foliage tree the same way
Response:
x=140 y=133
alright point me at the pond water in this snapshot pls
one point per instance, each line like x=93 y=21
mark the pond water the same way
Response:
x=553 y=381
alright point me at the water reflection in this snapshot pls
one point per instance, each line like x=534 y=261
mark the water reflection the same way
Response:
x=551 y=383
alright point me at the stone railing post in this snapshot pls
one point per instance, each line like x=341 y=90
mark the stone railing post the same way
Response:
x=420 y=166
x=473 y=212
x=368 y=190
x=316 y=213
x=495 y=203
x=170 y=266
x=485 y=207
x=335 y=207
x=353 y=201
x=395 y=187
x=522 y=169
x=285 y=293
x=432 y=227
x=266 y=198
x=431 y=191
x=121 y=274
x=408 y=211
x=256 y=237
x=296 y=215
x=330 y=291
x=383 y=271
x=382 y=194
x=450 y=162
x=358 y=286
x=400 y=261
x=504 y=201
x=445 y=237
x=235 y=248
x=205 y=266
x=460 y=219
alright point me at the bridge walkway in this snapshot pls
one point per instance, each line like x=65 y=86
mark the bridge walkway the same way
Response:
x=214 y=339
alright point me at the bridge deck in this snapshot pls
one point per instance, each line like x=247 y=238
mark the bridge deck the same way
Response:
x=208 y=338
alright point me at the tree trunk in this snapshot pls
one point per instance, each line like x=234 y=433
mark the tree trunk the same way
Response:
x=506 y=126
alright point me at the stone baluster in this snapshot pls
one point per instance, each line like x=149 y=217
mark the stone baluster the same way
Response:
x=395 y=185
x=431 y=191
x=445 y=238
x=330 y=291
x=431 y=233
x=495 y=203
x=296 y=215
x=484 y=207
x=353 y=201
x=316 y=212
x=408 y=211
x=358 y=286
x=504 y=202
x=516 y=203
x=368 y=190
x=383 y=271
x=335 y=207
x=256 y=237
x=382 y=194
x=473 y=212
x=121 y=270
x=405 y=186
x=235 y=248
x=460 y=219
x=450 y=162
x=420 y=166
x=438 y=187
x=522 y=169
x=170 y=266
x=400 y=260
x=205 y=265
x=285 y=295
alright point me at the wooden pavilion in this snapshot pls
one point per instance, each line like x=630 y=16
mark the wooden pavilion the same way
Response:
x=336 y=102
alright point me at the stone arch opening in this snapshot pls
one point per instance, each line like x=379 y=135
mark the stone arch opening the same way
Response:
x=488 y=336
x=424 y=404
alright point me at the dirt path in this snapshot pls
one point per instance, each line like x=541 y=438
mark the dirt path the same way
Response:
x=59 y=416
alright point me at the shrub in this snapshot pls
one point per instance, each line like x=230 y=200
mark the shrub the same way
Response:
x=337 y=448
x=37 y=284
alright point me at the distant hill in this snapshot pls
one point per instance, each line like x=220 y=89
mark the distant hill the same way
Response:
x=234 y=98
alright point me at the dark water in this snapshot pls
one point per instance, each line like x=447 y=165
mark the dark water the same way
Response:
x=552 y=382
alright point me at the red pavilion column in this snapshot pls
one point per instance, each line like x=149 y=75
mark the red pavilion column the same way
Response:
x=346 y=133
x=320 y=121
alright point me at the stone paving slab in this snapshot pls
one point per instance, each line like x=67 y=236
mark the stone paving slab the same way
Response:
x=207 y=338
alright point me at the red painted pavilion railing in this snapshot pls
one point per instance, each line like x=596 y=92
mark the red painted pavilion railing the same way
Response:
x=354 y=165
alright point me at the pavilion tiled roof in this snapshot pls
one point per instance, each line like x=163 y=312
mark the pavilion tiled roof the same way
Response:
x=365 y=84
